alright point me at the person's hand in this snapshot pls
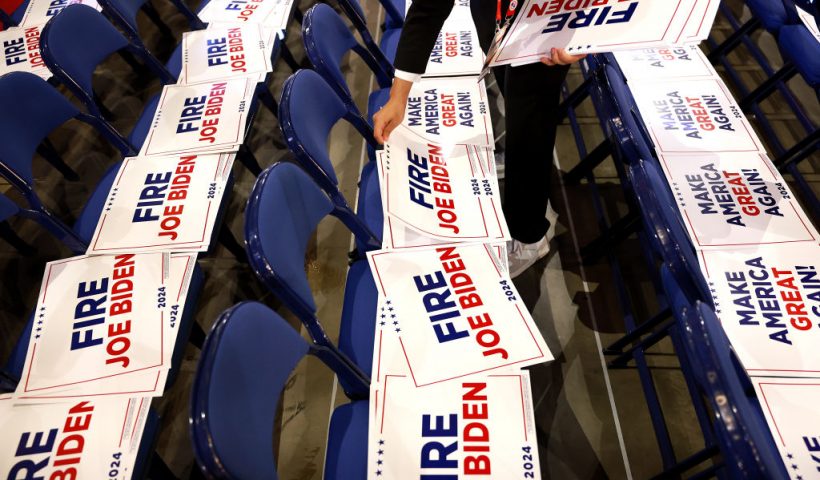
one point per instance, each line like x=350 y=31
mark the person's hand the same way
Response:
x=392 y=113
x=559 y=56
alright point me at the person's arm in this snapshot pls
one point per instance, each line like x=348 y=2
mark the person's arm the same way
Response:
x=421 y=28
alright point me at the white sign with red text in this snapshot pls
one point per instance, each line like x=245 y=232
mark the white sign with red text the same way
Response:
x=222 y=52
x=162 y=203
x=477 y=427
x=39 y=12
x=790 y=408
x=448 y=312
x=734 y=200
x=697 y=115
x=99 y=318
x=204 y=117
x=768 y=302
x=591 y=26
x=21 y=51
x=450 y=110
x=443 y=192
x=680 y=62
x=83 y=438
x=270 y=13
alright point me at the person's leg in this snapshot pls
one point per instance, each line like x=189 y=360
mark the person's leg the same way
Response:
x=531 y=96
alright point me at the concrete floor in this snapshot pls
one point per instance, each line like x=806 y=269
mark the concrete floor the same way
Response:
x=592 y=421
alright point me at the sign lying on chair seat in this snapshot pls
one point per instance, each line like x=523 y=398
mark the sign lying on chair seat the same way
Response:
x=105 y=325
x=477 y=427
x=790 y=407
x=694 y=116
x=585 y=26
x=443 y=192
x=21 y=51
x=450 y=110
x=200 y=118
x=39 y=12
x=734 y=200
x=162 y=203
x=222 y=52
x=83 y=438
x=673 y=63
x=448 y=312
x=768 y=302
x=270 y=13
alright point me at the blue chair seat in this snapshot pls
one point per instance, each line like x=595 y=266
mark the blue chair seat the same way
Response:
x=389 y=22
x=772 y=13
x=143 y=125
x=347 y=442
x=357 y=329
x=174 y=64
x=375 y=101
x=390 y=42
x=802 y=49
x=87 y=222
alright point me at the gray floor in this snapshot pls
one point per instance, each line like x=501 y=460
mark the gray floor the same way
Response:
x=593 y=422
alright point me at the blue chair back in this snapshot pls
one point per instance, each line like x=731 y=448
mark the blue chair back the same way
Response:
x=633 y=140
x=80 y=38
x=283 y=211
x=741 y=430
x=8 y=208
x=244 y=366
x=12 y=370
x=327 y=42
x=245 y=363
x=307 y=112
x=665 y=228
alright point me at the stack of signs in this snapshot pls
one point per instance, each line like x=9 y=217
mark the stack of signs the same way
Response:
x=200 y=118
x=584 y=26
x=227 y=51
x=273 y=14
x=457 y=50
x=436 y=193
x=162 y=203
x=39 y=12
x=83 y=438
x=105 y=326
x=451 y=329
x=450 y=110
x=21 y=51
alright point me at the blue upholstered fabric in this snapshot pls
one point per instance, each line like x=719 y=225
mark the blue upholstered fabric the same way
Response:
x=346 y=454
x=801 y=48
x=358 y=325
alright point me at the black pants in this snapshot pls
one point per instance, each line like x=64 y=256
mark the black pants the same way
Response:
x=532 y=94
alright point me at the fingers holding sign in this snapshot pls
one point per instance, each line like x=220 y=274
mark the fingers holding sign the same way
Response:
x=387 y=119
x=559 y=56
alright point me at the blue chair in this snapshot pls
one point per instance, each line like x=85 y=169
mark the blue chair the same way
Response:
x=327 y=42
x=38 y=110
x=744 y=438
x=283 y=211
x=308 y=110
x=79 y=28
x=245 y=364
x=123 y=13
x=9 y=209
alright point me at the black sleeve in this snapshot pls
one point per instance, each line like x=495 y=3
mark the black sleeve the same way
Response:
x=421 y=27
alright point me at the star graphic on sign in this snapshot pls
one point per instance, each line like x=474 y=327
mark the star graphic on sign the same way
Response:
x=390 y=309
x=396 y=322
x=389 y=302
x=378 y=472
x=790 y=456
x=392 y=315
x=379 y=462
x=381 y=452
x=39 y=329
x=381 y=323
x=794 y=466
x=799 y=477
x=398 y=330
x=42 y=309
x=37 y=336
x=384 y=316
x=381 y=442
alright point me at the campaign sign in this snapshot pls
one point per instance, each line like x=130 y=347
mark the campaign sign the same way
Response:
x=450 y=110
x=589 y=26
x=694 y=116
x=790 y=407
x=735 y=200
x=703 y=18
x=680 y=62
x=84 y=438
x=201 y=117
x=442 y=191
x=477 y=427
x=453 y=312
x=768 y=302
x=21 y=51
x=457 y=50
x=271 y=13
x=97 y=317
x=39 y=12
x=224 y=52
x=809 y=21
x=161 y=203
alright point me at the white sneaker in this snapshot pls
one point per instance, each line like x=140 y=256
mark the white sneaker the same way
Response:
x=521 y=256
